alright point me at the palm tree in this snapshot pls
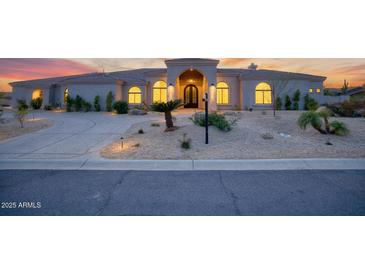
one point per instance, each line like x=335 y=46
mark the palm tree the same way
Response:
x=167 y=108
x=314 y=118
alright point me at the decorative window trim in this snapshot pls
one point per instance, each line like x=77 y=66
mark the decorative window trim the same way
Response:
x=263 y=92
x=160 y=90
x=220 y=94
x=133 y=94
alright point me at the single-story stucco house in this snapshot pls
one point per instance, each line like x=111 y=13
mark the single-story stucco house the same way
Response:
x=187 y=79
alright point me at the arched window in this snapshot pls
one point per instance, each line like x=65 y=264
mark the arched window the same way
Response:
x=66 y=93
x=222 y=93
x=263 y=94
x=134 y=95
x=159 y=92
x=37 y=93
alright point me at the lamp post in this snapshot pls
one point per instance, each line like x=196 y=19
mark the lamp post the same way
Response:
x=206 y=118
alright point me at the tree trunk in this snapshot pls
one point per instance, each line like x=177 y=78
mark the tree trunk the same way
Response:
x=168 y=118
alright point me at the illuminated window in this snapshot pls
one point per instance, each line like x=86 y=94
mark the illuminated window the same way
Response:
x=318 y=90
x=159 y=92
x=310 y=90
x=66 y=93
x=263 y=94
x=222 y=93
x=37 y=93
x=134 y=95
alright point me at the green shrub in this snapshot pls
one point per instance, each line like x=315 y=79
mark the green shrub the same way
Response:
x=339 y=128
x=155 y=124
x=109 y=101
x=78 y=103
x=22 y=104
x=185 y=142
x=319 y=120
x=48 y=107
x=97 y=106
x=69 y=103
x=310 y=103
x=278 y=103
x=296 y=99
x=140 y=131
x=36 y=103
x=86 y=106
x=121 y=107
x=287 y=102
x=20 y=116
x=215 y=119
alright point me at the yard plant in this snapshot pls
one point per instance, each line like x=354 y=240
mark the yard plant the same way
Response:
x=296 y=99
x=167 y=108
x=319 y=120
x=20 y=116
x=36 y=103
x=109 y=101
x=121 y=107
x=97 y=106
x=218 y=120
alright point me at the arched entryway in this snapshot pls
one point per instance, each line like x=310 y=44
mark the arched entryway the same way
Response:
x=191 y=96
x=191 y=85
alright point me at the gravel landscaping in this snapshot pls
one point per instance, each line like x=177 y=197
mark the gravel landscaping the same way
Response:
x=10 y=127
x=255 y=136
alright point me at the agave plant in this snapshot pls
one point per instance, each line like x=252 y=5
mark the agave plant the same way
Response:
x=319 y=120
x=167 y=108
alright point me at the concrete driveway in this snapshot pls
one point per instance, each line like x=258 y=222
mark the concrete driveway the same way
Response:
x=73 y=136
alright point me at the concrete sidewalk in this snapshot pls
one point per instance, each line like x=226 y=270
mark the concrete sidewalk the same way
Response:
x=264 y=164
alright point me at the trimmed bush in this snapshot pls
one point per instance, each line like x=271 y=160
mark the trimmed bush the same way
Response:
x=48 y=107
x=310 y=103
x=287 y=102
x=78 y=103
x=36 y=103
x=22 y=104
x=69 y=103
x=121 y=107
x=109 y=101
x=278 y=103
x=97 y=106
x=296 y=99
x=86 y=106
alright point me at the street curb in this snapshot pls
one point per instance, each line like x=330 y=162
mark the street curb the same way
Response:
x=257 y=164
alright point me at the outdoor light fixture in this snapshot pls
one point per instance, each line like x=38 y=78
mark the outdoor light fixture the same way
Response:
x=170 y=92
x=205 y=99
x=121 y=143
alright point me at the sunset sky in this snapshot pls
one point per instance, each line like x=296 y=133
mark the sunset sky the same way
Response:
x=336 y=69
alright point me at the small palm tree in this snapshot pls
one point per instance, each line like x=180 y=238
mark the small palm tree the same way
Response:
x=314 y=118
x=167 y=108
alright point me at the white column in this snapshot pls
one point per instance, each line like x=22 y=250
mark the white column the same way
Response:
x=212 y=97
x=171 y=92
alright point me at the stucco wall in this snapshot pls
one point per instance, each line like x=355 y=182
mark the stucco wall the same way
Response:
x=88 y=92
x=234 y=91
x=249 y=87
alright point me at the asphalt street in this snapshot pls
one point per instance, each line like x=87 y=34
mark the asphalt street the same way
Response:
x=182 y=193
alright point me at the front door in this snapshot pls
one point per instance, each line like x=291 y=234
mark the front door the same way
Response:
x=191 y=96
